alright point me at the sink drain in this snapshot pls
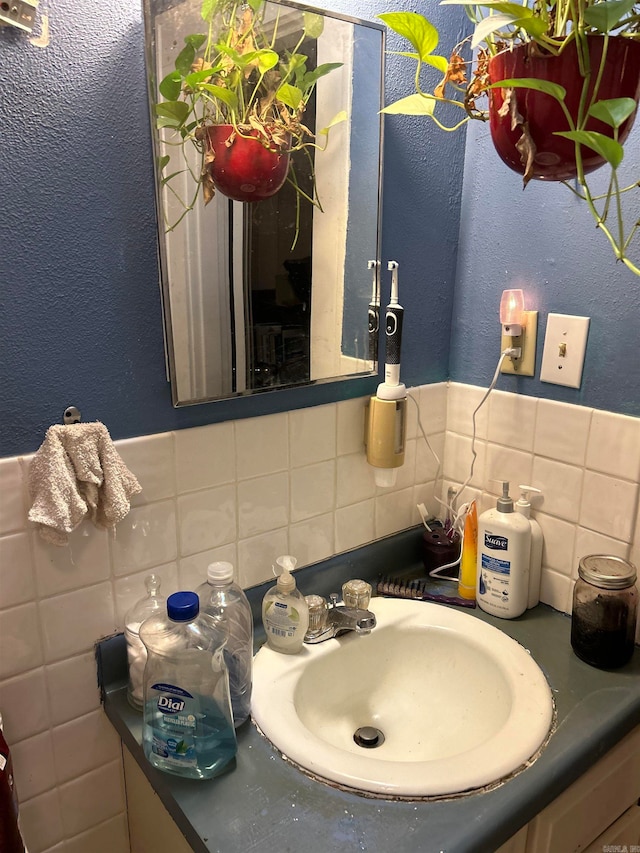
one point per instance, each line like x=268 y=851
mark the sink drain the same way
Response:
x=369 y=737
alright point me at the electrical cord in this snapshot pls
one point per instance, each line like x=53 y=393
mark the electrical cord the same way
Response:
x=435 y=573
x=474 y=454
x=459 y=515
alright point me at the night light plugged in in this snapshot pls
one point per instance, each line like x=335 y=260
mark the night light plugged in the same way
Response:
x=519 y=334
x=511 y=311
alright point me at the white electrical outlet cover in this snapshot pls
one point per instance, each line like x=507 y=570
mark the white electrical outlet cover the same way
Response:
x=565 y=344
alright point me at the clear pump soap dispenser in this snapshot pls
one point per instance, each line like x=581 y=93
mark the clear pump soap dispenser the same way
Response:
x=504 y=543
x=285 y=613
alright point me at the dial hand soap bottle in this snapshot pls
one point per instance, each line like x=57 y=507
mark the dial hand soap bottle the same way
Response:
x=285 y=613
x=504 y=543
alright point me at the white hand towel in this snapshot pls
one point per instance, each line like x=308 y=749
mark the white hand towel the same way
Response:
x=77 y=473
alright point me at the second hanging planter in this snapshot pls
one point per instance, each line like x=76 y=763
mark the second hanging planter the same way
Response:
x=243 y=167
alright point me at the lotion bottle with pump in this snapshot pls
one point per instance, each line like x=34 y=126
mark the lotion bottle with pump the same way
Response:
x=523 y=506
x=285 y=613
x=504 y=543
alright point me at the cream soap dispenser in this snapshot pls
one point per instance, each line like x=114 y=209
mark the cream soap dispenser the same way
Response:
x=523 y=506
x=504 y=544
x=285 y=613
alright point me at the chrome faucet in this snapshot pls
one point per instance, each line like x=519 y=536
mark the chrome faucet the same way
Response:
x=339 y=619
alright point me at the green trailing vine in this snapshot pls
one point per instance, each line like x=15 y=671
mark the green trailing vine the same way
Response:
x=550 y=28
x=233 y=74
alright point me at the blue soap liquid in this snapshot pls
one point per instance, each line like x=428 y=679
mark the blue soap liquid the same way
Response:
x=200 y=752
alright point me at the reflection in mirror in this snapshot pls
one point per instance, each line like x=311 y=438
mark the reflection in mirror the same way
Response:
x=275 y=291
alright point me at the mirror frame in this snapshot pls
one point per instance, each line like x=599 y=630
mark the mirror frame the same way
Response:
x=356 y=381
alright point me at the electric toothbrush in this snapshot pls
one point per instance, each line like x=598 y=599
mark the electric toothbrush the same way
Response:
x=395 y=313
x=374 y=313
x=386 y=425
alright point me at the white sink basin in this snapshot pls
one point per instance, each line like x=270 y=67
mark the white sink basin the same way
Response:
x=460 y=704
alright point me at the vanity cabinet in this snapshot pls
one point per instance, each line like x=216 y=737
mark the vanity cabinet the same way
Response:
x=600 y=809
x=151 y=827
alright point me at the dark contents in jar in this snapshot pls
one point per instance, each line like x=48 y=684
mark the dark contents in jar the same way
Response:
x=602 y=634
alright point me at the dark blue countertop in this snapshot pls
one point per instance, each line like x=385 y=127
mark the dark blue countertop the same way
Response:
x=266 y=805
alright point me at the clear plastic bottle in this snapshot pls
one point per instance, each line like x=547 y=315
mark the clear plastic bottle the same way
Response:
x=188 y=726
x=222 y=599
x=285 y=613
x=152 y=603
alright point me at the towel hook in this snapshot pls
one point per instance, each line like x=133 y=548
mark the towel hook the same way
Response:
x=71 y=415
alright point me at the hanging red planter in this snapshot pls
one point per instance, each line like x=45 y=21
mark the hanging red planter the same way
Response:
x=554 y=158
x=242 y=168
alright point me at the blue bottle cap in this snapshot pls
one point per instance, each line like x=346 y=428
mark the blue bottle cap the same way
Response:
x=183 y=606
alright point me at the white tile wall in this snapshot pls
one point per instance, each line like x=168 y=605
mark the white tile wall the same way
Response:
x=246 y=492
x=586 y=462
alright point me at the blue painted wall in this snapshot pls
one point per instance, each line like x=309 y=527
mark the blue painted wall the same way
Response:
x=544 y=240
x=81 y=316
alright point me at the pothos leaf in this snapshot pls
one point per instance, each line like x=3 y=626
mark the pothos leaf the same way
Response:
x=313 y=25
x=225 y=95
x=490 y=25
x=265 y=58
x=196 y=40
x=415 y=28
x=173 y=112
x=439 y=62
x=613 y=111
x=312 y=76
x=192 y=80
x=412 y=105
x=162 y=122
x=493 y=23
x=338 y=117
x=604 y=17
x=289 y=95
x=208 y=9
x=607 y=148
x=171 y=86
x=184 y=59
x=293 y=63
x=554 y=89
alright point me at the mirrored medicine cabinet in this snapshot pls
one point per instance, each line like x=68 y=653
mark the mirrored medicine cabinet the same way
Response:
x=276 y=293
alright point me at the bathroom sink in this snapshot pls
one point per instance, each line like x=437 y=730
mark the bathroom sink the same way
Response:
x=439 y=702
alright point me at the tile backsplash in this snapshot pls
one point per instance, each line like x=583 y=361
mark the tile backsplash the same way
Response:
x=247 y=491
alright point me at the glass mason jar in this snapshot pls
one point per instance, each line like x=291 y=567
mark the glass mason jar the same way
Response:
x=605 y=605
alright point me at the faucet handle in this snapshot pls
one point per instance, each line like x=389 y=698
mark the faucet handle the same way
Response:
x=357 y=594
x=317 y=614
